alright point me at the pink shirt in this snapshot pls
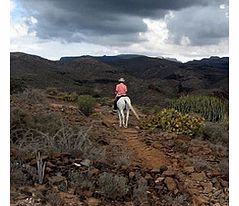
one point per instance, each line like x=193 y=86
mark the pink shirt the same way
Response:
x=121 y=89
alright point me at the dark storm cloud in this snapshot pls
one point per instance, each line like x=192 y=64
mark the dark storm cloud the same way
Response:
x=101 y=21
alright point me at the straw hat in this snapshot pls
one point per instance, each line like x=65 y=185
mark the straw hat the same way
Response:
x=121 y=80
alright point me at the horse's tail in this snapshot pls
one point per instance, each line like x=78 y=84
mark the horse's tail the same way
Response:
x=131 y=107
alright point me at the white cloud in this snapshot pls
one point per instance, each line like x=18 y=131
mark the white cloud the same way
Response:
x=185 y=41
x=222 y=6
x=156 y=41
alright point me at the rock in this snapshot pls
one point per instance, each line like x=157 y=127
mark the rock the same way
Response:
x=87 y=193
x=170 y=183
x=131 y=175
x=129 y=204
x=207 y=187
x=93 y=172
x=224 y=183
x=217 y=204
x=50 y=164
x=169 y=172
x=86 y=162
x=60 y=182
x=213 y=174
x=27 y=190
x=106 y=124
x=93 y=201
x=170 y=143
x=198 y=176
x=156 y=170
x=169 y=137
x=163 y=168
x=200 y=200
x=188 y=169
x=137 y=127
x=159 y=179
x=217 y=193
x=181 y=177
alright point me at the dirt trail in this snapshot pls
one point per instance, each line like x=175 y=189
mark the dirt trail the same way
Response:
x=149 y=157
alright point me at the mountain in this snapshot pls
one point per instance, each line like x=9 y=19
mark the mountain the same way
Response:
x=105 y=59
x=151 y=81
x=212 y=62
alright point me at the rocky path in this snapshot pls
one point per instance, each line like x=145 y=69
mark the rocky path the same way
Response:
x=180 y=175
x=176 y=169
x=148 y=157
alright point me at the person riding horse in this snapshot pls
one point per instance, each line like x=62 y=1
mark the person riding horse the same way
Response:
x=120 y=91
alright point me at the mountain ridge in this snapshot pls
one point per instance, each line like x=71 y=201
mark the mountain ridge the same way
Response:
x=151 y=81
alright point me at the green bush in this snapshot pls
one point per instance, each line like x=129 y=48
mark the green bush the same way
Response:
x=86 y=104
x=52 y=91
x=211 y=108
x=17 y=85
x=170 y=120
x=72 y=97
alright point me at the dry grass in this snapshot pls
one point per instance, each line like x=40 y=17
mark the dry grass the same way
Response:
x=112 y=186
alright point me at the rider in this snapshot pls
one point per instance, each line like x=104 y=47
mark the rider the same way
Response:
x=120 y=91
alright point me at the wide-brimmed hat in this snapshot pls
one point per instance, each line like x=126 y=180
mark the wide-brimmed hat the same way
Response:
x=121 y=80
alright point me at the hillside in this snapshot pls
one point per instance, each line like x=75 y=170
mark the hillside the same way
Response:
x=159 y=80
x=90 y=161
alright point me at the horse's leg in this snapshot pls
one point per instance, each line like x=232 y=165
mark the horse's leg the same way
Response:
x=120 y=118
x=127 y=118
x=123 y=117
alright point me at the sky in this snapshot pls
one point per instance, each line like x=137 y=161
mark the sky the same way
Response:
x=182 y=29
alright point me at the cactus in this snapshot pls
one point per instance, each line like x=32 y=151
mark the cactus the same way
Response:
x=211 y=108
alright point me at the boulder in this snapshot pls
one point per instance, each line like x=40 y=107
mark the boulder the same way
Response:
x=170 y=183
x=198 y=176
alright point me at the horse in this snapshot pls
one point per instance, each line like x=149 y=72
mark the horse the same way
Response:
x=124 y=103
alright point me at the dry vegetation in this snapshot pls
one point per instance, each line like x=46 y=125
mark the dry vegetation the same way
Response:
x=55 y=160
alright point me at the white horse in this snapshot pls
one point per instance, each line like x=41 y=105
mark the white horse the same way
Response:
x=124 y=103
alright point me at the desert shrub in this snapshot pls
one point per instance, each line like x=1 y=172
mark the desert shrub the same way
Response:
x=32 y=96
x=52 y=91
x=216 y=133
x=69 y=97
x=106 y=101
x=140 y=190
x=112 y=186
x=19 y=175
x=78 y=179
x=17 y=85
x=200 y=164
x=46 y=122
x=22 y=121
x=224 y=167
x=86 y=104
x=54 y=199
x=66 y=139
x=19 y=118
x=170 y=120
x=211 y=108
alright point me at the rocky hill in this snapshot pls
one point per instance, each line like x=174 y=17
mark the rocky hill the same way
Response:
x=151 y=81
x=61 y=157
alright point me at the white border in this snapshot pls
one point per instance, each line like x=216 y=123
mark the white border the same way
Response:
x=5 y=102
x=233 y=103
